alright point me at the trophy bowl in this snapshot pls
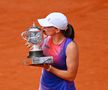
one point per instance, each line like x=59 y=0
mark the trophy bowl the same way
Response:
x=34 y=36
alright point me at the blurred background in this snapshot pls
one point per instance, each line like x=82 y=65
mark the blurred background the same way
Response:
x=90 y=21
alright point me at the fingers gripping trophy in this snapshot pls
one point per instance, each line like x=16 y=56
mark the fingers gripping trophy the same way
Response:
x=34 y=36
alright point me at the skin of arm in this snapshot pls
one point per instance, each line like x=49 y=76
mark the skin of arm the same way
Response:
x=72 y=62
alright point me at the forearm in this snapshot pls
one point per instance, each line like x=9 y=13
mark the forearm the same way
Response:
x=64 y=74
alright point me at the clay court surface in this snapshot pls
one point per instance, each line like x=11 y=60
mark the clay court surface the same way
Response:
x=90 y=21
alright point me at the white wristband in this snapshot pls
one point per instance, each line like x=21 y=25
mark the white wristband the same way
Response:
x=49 y=68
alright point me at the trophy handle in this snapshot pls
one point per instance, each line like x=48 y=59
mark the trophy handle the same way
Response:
x=24 y=35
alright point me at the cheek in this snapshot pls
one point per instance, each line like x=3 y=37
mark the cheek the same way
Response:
x=49 y=32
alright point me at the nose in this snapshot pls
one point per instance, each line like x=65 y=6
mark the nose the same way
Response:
x=45 y=29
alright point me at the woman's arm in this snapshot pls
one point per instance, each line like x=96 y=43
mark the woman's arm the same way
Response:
x=71 y=62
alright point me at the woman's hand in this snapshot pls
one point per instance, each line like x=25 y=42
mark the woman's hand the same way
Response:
x=29 y=45
x=45 y=66
x=28 y=62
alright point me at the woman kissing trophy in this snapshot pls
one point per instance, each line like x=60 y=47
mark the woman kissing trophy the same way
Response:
x=34 y=36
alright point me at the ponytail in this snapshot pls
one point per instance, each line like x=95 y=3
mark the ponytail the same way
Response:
x=69 y=33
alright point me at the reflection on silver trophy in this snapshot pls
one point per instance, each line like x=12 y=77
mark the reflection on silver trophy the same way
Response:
x=34 y=36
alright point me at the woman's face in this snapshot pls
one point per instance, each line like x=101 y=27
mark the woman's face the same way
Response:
x=50 y=31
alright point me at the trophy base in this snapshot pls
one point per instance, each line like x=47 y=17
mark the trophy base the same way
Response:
x=35 y=54
x=42 y=60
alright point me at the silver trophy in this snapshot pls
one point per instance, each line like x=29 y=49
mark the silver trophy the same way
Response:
x=34 y=36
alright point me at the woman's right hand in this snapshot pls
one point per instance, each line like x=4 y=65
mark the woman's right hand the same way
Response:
x=28 y=44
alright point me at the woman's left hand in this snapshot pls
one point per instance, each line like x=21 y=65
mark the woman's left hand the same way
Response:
x=29 y=63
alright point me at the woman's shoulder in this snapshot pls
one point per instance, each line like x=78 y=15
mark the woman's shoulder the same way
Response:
x=72 y=45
